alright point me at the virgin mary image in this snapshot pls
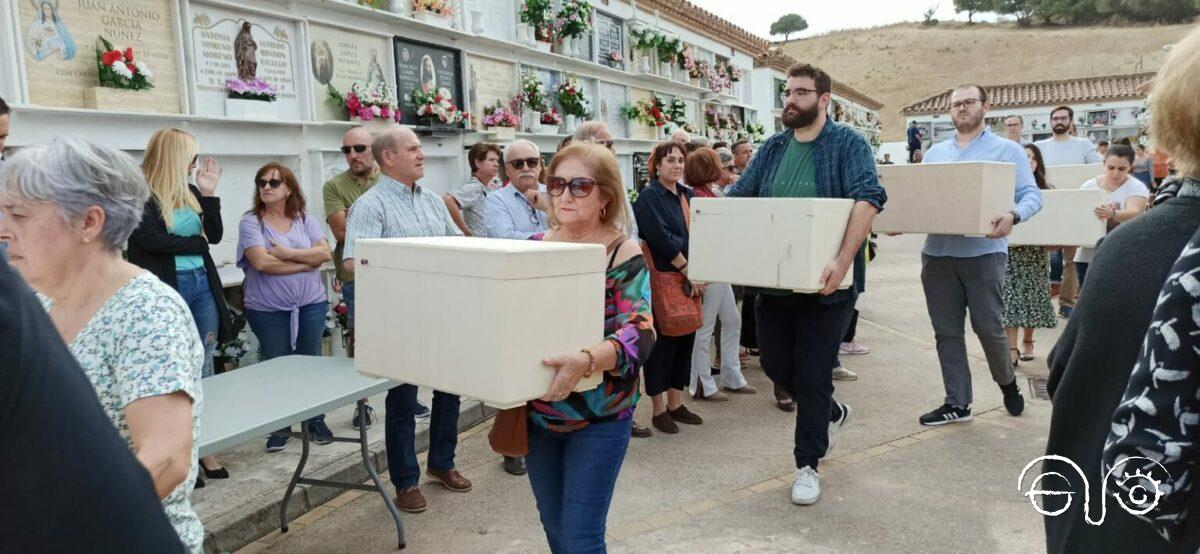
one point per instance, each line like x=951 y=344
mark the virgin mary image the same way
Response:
x=47 y=35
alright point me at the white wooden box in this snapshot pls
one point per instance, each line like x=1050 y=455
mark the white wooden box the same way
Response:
x=1063 y=177
x=474 y=316
x=1067 y=218
x=782 y=243
x=945 y=198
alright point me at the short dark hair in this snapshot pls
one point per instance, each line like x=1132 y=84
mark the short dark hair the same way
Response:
x=739 y=143
x=479 y=152
x=1070 y=111
x=661 y=150
x=1102 y=143
x=823 y=83
x=982 y=91
x=720 y=144
x=1122 y=151
x=3 y=107
x=1019 y=118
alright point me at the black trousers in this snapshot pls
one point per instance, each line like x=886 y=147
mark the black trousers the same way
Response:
x=669 y=365
x=798 y=337
x=853 y=328
x=749 y=318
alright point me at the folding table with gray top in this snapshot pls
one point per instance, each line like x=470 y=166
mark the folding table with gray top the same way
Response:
x=255 y=400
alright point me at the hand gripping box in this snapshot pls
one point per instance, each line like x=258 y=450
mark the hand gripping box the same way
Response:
x=958 y=198
x=1067 y=218
x=782 y=243
x=475 y=316
x=1064 y=177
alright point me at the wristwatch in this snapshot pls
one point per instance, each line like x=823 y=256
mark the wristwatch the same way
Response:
x=1016 y=216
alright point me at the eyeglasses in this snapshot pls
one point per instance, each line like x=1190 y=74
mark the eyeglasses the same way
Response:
x=728 y=167
x=359 y=148
x=607 y=143
x=788 y=92
x=520 y=164
x=966 y=103
x=1061 y=118
x=273 y=183
x=581 y=187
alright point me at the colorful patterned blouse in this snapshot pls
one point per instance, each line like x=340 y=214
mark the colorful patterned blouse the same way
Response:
x=629 y=326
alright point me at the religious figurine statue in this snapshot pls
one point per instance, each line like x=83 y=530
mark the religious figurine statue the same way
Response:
x=374 y=71
x=245 y=53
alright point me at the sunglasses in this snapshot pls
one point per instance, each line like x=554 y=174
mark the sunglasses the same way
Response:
x=580 y=187
x=272 y=183
x=359 y=148
x=520 y=164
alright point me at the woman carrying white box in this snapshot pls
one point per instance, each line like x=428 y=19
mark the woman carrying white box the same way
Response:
x=1127 y=197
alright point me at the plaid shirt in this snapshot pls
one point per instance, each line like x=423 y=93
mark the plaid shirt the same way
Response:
x=845 y=169
x=393 y=210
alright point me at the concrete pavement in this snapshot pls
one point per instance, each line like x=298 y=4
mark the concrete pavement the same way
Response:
x=889 y=485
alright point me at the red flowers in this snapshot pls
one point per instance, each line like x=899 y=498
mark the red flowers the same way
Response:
x=111 y=57
x=129 y=54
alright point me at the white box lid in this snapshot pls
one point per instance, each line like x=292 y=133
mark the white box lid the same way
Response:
x=482 y=257
x=768 y=206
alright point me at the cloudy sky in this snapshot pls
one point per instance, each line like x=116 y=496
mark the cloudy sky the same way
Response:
x=824 y=17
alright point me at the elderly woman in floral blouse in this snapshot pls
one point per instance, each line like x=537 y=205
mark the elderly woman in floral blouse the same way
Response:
x=66 y=211
x=577 y=440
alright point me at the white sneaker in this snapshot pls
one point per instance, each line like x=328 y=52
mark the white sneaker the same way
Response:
x=835 y=426
x=853 y=349
x=843 y=374
x=806 y=490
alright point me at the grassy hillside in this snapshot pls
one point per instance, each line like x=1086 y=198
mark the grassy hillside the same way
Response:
x=903 y=63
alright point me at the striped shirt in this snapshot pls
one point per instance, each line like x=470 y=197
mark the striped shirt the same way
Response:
x=394 y=210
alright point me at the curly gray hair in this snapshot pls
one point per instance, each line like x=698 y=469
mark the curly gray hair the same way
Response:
x=74 y=175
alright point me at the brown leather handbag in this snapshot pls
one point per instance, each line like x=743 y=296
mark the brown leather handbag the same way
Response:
x=510 y=432
x=676 y=311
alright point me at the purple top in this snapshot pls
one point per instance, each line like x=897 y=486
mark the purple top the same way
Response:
x=280 y=293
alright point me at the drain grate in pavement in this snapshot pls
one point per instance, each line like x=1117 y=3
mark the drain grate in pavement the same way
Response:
x=1037 y=388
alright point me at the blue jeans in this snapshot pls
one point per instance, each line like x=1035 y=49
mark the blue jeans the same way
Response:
x=1056 y=266
x=348 y=296
x=573 y=476
x=400 y=430
x=1081 y=270
x=193 y=287
x=274 y=332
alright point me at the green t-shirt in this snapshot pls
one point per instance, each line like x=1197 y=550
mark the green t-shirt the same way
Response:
x=797 y=173
x=185 y=222
x=339 y=194
x=795 y=178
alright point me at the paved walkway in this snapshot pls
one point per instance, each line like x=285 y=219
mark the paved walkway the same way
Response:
x=889 y=485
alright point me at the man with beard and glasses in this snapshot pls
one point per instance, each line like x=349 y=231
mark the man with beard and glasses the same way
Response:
x=799 y=334
x=965 y=273
x=1066 y=149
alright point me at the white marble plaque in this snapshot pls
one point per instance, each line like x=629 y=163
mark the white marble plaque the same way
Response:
x=266 y=46
x=342 y=58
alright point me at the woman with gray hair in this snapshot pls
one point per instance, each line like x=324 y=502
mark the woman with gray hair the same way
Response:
x=67 y=209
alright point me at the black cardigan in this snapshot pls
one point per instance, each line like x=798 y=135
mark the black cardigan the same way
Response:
x=153 y=248
x=1090 y=367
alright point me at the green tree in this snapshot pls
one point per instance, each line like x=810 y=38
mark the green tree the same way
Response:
x=1069 y=11
x=1023 y=9
x=1159 y=11
x=788 y=24
x=928 y=14
x=972 y=7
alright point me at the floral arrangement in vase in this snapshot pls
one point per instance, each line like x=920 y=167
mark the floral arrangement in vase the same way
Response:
x=735 y=74
x=653 y=112
x=499 y=115
x=630 y=112
x=676 y=111
x=533 y=92
x=437 y=7
x=669 y=48
x=437 y=105
x=575 y=18
x=256 y=89
x=552 y=117
x=539 y=14
x=756 y=131
x=118 y=69
x=572 y=98
x=617 y=60
x=368 y=102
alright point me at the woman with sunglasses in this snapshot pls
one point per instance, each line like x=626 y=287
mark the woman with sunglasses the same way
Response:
x=577 y=440
x=281 y=250
x=661 y=211
x=179 y=222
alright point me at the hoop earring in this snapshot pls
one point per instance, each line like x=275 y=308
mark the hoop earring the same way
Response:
x=603 y=211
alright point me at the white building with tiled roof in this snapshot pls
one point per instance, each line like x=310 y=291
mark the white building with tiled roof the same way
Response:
x=1106 y=108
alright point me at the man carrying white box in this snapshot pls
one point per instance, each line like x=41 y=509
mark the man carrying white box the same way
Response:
x=799 y=334
x=396 y=207
x=960 y=273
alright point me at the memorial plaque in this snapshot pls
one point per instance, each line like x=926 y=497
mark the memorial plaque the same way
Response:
x=608 y=108
x=611 y=34
x=499 y=19
x=425 y=66
x=641 y=170
x=490 y=81
x=227 y=43
x=342 y=58
x=642 y=131
x=60 y=39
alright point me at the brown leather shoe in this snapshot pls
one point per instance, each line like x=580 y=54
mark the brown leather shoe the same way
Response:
x=783 y=400
x=683 y=415
x=451 y=478
x=747 y=389
x=411 y=500
x=639 y=431
x=664 y=423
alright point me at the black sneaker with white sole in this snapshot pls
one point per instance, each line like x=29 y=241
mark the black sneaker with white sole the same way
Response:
x=946 y=414
x=838 y=423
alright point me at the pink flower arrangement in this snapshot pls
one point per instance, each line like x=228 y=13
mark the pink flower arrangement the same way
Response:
x=615 y=56
x=256 y=89
x=368 y=103
x=552 y=117
x=500 y=116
